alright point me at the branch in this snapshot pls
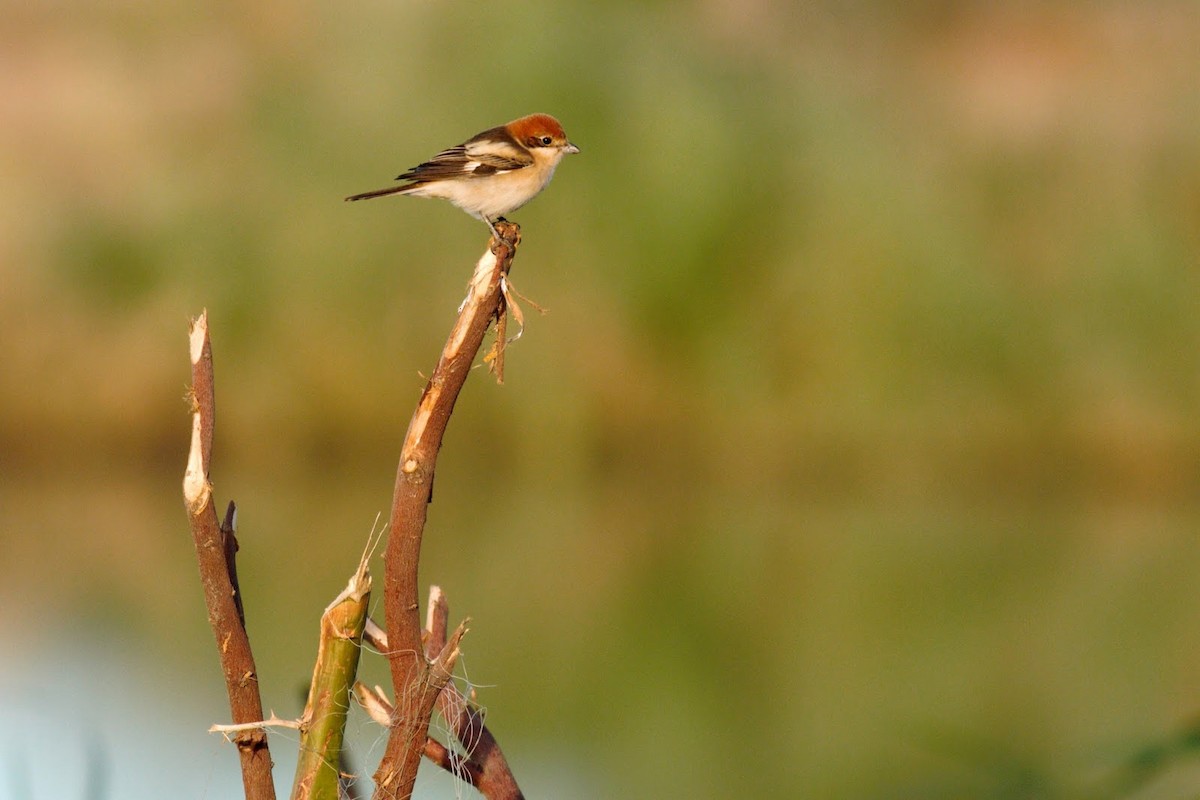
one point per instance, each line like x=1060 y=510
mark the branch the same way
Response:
x=323 y=724
x=483 y=765
x=263 y=724
x=415 y=683
x=215 y=547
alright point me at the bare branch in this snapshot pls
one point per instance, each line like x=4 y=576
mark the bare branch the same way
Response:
x=215 y=547
x=483 y=765
x=462 y=768
x=416 y=684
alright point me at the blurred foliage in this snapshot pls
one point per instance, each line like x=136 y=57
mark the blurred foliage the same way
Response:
x=856 y=457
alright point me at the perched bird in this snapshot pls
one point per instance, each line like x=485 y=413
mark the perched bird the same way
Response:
x=493 y=173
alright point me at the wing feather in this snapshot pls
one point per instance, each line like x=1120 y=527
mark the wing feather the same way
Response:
x=485 y=154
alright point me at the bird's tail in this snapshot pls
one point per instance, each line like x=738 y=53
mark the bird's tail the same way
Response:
x=380 y=192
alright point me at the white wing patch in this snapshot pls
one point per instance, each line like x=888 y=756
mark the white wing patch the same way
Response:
x=499 y=155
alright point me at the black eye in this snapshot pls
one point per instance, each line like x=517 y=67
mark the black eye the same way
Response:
x=547 y=141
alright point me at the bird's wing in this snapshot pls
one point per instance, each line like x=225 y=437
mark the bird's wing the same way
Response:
x=486 y=154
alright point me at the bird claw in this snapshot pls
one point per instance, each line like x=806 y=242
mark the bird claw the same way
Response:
x=511 y=240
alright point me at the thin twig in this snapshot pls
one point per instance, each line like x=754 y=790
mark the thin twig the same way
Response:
x=271 y=722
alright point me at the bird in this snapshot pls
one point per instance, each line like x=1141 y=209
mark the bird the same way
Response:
x=491 y=174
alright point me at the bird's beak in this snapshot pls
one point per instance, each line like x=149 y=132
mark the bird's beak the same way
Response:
x=570 y=148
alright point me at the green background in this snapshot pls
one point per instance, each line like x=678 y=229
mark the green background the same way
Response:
x=857 y=455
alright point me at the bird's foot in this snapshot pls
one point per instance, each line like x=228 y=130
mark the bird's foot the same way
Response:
x=504 y=233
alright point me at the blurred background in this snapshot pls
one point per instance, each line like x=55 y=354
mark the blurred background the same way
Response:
x=857 y=455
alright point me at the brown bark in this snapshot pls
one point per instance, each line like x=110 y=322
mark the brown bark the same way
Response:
x=484 y=765
x=416 y=679
x=216 y=545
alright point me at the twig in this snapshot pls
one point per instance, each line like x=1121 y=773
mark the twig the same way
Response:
x=417 y=680
x=271 y=722
x=483 y=765
x=215 y=547
x=375 y=703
